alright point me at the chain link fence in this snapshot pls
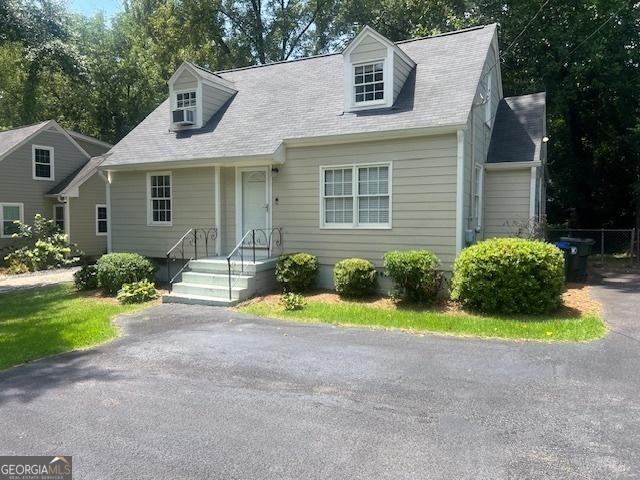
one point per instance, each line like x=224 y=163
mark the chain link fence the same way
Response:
x=613 y=248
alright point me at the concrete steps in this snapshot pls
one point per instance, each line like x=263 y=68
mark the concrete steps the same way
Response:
x=206 y=282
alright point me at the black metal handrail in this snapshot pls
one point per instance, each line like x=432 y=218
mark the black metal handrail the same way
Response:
x=193 y=243
x=261 y=239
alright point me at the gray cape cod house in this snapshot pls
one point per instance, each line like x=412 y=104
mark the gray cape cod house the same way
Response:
x=48 y=170
x=382 y=146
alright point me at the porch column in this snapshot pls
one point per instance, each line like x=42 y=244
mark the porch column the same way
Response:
x=218 y=210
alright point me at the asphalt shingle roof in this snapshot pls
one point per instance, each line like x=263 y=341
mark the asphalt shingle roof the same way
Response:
x=518 y=129
x=78 y=177
x=12 y=137
x=304 y=98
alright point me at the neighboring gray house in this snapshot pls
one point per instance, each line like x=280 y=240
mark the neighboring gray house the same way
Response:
x=383 y=146
x=49 y=170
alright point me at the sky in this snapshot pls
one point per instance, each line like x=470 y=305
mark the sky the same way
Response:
x=89 y=7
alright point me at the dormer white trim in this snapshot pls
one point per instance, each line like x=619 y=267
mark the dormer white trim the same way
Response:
x=387 y=59
x=203 y=79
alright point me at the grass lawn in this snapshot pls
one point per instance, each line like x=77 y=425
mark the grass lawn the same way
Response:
x=567 y=325
x=35 y=323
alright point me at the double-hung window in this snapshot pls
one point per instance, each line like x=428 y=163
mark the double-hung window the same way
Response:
x=42 y=159
x=58 y=216
x=186 y=100
x=102 y=224
x=159 y=198
x=9 y=213
x=368 y=82
x=477 y=196
x=356 y=196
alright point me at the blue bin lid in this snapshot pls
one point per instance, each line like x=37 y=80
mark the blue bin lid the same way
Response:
x=563 y=245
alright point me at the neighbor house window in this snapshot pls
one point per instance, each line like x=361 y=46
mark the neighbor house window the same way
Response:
x=58 y=216
x=42 y=163
x=9 y=213
x=357 y=196
x=186 y=100
x=159 y=198
x=368 y=82
x=101 y=220
x=477 y=196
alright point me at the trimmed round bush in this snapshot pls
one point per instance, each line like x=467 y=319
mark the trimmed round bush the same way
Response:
x=116 y=269
x=354 y=277
x=295 y=272
x=86 y=278
x=414 y=273
x=509 y=275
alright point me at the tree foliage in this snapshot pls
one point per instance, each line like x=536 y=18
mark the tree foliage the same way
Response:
x=103 y=77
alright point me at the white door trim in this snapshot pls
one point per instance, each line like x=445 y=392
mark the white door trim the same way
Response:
x=238 y=175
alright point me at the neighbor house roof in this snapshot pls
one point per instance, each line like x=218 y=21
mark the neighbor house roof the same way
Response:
x=69 y=186
x=304 y=99
x=518 y=130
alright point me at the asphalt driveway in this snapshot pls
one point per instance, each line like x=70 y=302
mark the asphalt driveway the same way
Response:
x=200 y=392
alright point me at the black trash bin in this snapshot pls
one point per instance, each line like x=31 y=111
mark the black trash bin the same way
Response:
x=570 y=254
x=583 y=247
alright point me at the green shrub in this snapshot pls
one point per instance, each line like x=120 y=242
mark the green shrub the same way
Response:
x=354 y=277
x=86 y=278
x=40 y=246
x=116 y=269
x=137 y=292
x=292 y=301
x=509 y=275
x=296 y=271
x=414 y=274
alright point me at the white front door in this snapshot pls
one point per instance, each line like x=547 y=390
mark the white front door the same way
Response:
x=254 y=197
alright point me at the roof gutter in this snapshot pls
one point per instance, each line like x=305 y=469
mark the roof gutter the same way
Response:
x=511 y=165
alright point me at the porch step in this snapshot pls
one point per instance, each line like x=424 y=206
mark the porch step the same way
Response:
x=220 y=266
x=210 y=291
x=198 y=300
x=217 y=279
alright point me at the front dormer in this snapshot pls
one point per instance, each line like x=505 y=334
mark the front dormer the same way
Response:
x=375 y=70
x=195 y=95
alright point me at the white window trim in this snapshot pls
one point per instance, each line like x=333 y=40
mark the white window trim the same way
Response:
x=50 y=178
x=356 y=199
x=64 y=215
x=369 y=103
x=197 y=109
x=104 y=234
x=477 y=196
x=488 y=108
x=150 y=222
x=9 y=204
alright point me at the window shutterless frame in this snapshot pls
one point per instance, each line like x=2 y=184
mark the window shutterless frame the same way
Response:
x=59 y=219
x=354 y=75
x=4 y=205
x=477 y=195
x=355 y=225
x=37 y=161
x=101 y=220
x=150 y=209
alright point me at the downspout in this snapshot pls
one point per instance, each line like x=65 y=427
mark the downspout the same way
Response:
x=107 y=180
x=460 y=192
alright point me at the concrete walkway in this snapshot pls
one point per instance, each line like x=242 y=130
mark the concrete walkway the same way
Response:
x=36 y=279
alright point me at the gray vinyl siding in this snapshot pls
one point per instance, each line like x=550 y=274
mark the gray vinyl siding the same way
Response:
x=16 y=175
x=91 y=148
x=423 y=199
x=506 y=201
x=401 y=71
x=476 y=141
x=228 y=208
x=368 y=49
x=82 y=211
x=186 y=81
x=193 y=199
x=212 y=99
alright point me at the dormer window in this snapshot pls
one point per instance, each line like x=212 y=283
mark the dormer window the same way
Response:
x=186 y=100
x=368 y=82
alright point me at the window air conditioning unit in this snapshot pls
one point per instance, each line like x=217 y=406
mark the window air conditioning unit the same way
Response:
x=184 y=117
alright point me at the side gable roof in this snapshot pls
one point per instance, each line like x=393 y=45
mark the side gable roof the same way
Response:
x=303 y=99
x=70 y=185
x=518 y=129
x=11 y=139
